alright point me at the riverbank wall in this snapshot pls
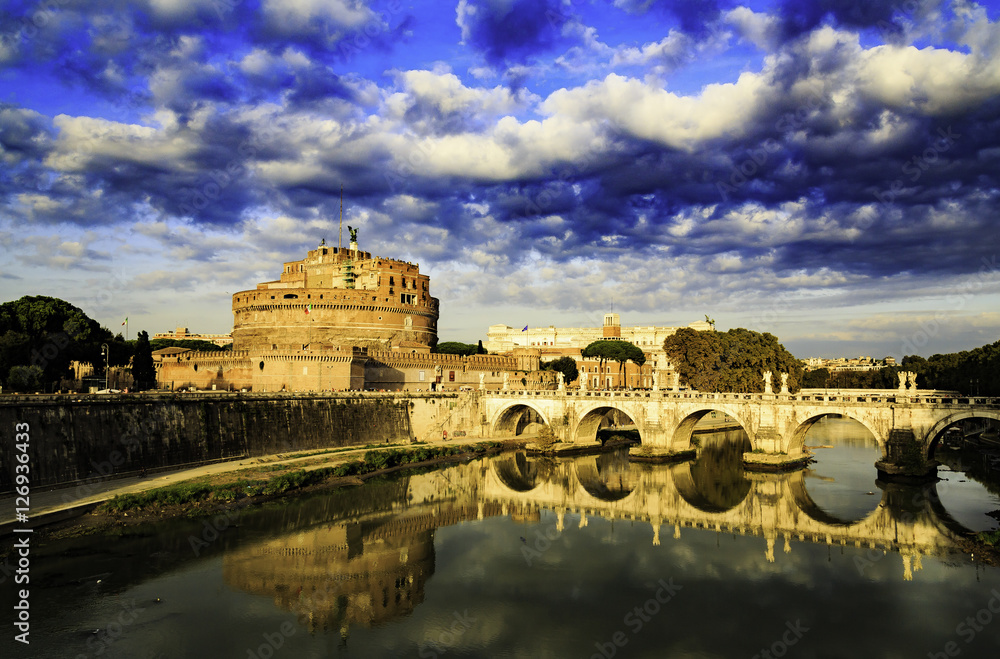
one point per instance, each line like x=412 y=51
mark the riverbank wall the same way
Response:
x=82 y=438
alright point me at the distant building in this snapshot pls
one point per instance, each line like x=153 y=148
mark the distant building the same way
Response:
x=862 y=363
x=504 y=338
x=182 y=334
x=555 y=342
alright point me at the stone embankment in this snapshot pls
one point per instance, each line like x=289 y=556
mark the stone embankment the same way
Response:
x=78 y=438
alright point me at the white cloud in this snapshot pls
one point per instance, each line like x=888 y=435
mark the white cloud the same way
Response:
x=82 y=140
x=760 y=29
x=653 y=113
x=445 y=92
x=930 y=80
x=298 y=14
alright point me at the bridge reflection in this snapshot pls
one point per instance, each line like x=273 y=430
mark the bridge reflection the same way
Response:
x=366 y=564
x=716 y=494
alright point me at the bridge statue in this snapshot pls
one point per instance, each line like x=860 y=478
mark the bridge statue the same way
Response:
x=562 y=381
x=784 y=384
x=912 y=378
x=482 y=381
x=583 y=382
x=902 y=381
x=767 y=382
x=506 y=381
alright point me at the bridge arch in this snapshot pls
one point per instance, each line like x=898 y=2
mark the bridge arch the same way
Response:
x=805 y=503
x=931 y=439
x=589 y=419
x=798 y=436
x=710 y=493
x=607 y=477
x=685 y=429
x=508 y=420
x=521 y=473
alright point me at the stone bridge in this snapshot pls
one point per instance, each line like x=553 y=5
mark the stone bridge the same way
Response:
x=908 y=519
x=905 y=426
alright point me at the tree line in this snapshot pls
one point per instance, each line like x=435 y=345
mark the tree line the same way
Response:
x=970 y=372
x=41 y=336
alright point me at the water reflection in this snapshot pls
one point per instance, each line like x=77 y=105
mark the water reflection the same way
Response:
x=518 y=556
x=842 y=478
x=718 y=480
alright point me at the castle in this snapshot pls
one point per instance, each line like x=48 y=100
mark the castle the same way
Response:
x=337 y=297
x=342 y=319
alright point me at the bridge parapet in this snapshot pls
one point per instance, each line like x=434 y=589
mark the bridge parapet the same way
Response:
x=867 y=399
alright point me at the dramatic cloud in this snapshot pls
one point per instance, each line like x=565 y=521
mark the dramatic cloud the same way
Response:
x=762 y=162
x=510 y=31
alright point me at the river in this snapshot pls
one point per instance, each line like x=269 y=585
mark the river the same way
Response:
x=519 y=556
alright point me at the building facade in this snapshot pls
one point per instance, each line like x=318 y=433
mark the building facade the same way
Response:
x=503 y=338
x=555 y=342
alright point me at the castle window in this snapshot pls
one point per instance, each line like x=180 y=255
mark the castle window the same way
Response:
x=289 y=296
x=261 y=366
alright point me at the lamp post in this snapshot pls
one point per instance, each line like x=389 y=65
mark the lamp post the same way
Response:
x=105 y=351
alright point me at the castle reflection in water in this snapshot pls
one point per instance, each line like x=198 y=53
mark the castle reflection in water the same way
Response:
x=364 y=556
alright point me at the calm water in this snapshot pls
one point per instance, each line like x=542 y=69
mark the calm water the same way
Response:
x=515 y=556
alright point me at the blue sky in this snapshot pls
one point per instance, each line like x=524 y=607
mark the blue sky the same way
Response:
x=825 y=171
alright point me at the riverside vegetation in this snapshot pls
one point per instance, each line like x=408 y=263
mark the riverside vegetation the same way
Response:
x=260 y=483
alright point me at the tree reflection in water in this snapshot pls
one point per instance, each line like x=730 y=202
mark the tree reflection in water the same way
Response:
x=717 y=473
x=609 y=476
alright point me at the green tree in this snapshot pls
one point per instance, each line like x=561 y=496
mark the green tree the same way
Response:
x=602 y=350
x=627 y=352
x=971 y=372
x=143 y=371
x=816 y=379
x=48 y=333
x=456 y=348
x=618 y=351
x=480 y=350
x=732 y=361
x=566 y=366
x=25 y=378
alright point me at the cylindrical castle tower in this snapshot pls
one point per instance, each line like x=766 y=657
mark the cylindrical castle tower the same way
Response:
x=337 y=297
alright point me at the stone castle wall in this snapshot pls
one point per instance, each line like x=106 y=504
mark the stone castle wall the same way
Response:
x=271 y=320
x=342 y=369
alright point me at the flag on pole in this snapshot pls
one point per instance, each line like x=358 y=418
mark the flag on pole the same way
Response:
x=309 y=308
x=125 y=322
x=525 y=329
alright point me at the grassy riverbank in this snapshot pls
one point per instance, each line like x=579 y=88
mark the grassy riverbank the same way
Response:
x=274 y=480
